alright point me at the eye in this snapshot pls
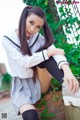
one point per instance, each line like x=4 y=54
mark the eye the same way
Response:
x=38 y=27
x=31 y=22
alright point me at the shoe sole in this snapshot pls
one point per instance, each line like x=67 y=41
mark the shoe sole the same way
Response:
x=68 y=100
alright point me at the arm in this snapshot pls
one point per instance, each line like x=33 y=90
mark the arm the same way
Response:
x=57 y=53
x=62 y=63
x=24 y=60
x=58 y=56
x=69 y=78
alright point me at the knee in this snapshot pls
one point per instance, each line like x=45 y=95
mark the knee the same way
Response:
x=30 y=115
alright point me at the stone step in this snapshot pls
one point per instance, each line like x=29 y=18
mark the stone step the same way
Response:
x=4 y=94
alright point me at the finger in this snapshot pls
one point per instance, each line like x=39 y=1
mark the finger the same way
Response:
x=74 y=86
x=70 y=84
x=77 y=85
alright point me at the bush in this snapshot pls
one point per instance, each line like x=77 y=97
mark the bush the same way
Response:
x=6 y=78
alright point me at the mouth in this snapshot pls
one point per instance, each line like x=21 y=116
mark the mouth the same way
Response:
x=28 y=33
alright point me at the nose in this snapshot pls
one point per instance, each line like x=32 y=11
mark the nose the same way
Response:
x=32 y=28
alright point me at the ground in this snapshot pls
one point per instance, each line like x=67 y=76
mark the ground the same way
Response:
x=7 y=107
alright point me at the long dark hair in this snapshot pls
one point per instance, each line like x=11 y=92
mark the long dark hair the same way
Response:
x=49 y=39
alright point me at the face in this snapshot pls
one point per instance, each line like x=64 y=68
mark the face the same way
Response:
x=33 y=24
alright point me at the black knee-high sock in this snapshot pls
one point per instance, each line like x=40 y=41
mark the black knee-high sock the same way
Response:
x=52 y=68
x=30 y=115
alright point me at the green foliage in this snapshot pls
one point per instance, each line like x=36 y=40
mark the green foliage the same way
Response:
x=73 y=55
x=69 y=21
x=42 y=103
x=46 y=115
x=7 y=78
x=55 y=84
x=56 y=97
x=6 y=82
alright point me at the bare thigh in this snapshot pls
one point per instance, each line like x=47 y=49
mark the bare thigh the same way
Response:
x=25 y=107
x=45 y=79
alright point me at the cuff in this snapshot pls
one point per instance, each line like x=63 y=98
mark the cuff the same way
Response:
x=45 y=56
x=61 y=63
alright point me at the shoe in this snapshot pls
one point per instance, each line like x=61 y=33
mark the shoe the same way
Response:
x=69 y=98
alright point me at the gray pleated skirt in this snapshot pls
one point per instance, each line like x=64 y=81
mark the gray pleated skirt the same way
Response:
x=24 y=91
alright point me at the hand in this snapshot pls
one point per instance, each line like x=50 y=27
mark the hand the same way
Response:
x=70 y=79
x=72 y=82
x=55 y=51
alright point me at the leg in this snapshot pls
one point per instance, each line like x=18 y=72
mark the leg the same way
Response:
x=52 y=68
x=45 y=79
x=28 y=112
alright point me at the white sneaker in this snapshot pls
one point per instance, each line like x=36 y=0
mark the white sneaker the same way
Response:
x=68 y=97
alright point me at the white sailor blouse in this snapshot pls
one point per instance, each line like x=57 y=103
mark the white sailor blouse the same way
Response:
x=20 y=65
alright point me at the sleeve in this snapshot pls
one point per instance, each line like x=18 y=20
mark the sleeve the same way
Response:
x=24 y=60
x=60 y=59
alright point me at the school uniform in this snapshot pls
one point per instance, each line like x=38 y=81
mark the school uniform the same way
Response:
x=24 y=90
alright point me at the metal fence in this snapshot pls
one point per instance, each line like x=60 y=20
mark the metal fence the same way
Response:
x=75 y=30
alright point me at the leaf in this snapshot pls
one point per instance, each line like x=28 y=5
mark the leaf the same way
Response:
x=75 y=19
x=61 y=10
x=78 y=28
x=68 y=31
x=46 y=2
x=78 y=21
x=46 y=114
x=77 y=37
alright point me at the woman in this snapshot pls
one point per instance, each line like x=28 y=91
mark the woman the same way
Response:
x=27 y=50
